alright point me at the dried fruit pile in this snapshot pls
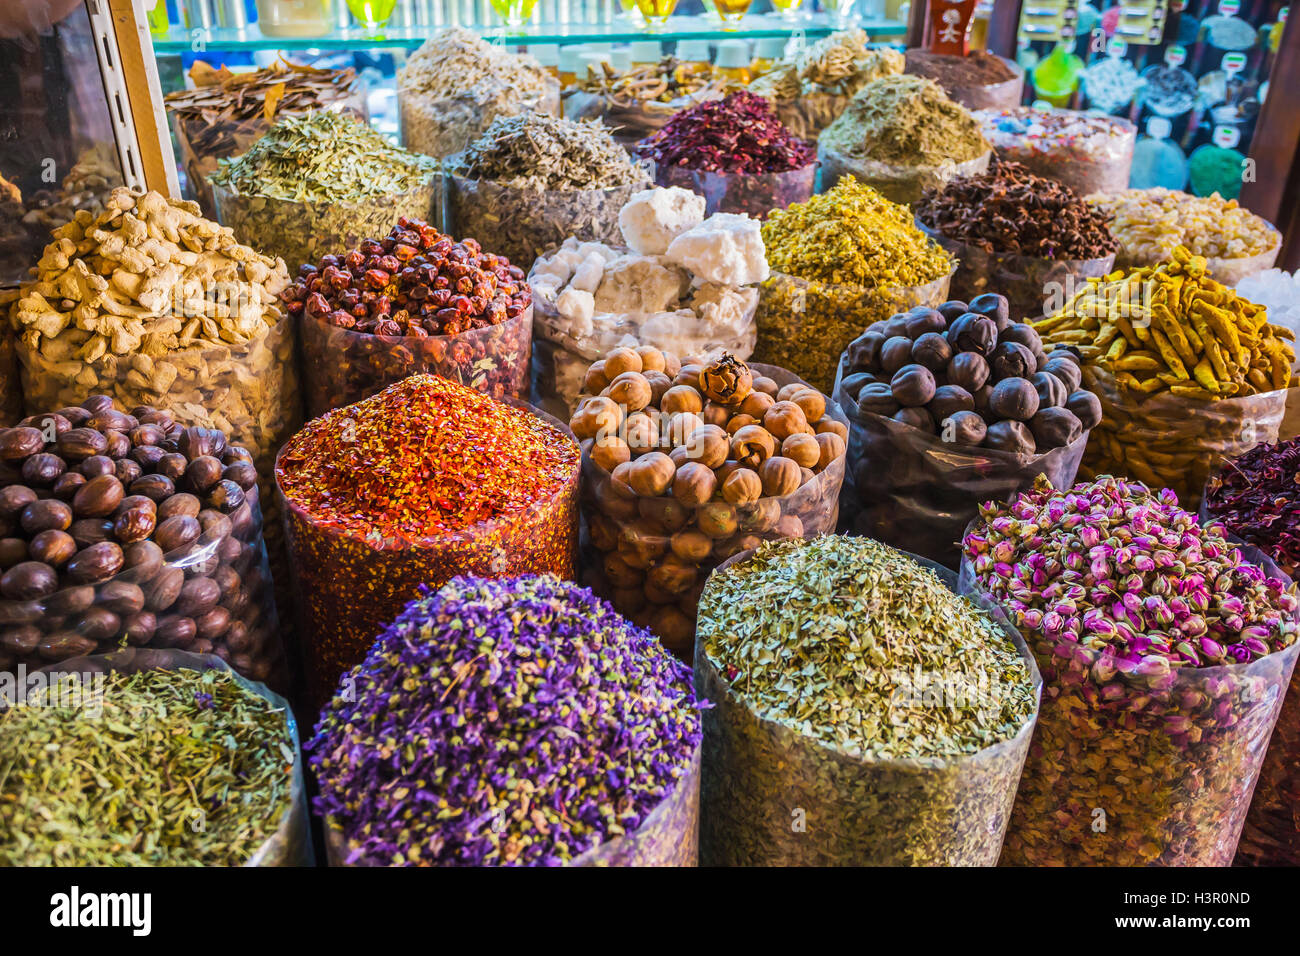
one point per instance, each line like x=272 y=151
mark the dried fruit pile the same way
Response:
x=737 y=134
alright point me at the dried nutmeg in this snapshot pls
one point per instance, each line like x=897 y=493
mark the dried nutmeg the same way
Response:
x=694 y=484
x=651 y=474
x=752 y=445
x=780 y=476
x=727 y=380
x=709 y=445
x=742 y=487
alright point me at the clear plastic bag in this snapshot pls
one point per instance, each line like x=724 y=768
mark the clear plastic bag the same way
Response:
x=1096 y=163
x=1228 y=271
x=913 y=490
x=202 y=141
x=212 y=596
x=1166 y=441
x=290 y=845
x=933 y=812
x=669 y=835
x=561 y=358
x=754 y=194
x=1128 y=769
x=342 y=366
x=1028 y=282
x=347 y=589
x=629 y=542
x=900 y=184
x=521 y=224
x=442 y=127
x=805 y=326
x=302 y=232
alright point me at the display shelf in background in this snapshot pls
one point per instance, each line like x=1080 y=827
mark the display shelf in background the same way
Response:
x=180 y=40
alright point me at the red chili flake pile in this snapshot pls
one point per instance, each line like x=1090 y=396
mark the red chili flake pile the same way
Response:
x=1257 y=497
x=415 y=281
x=425 y=457
x=737 y=134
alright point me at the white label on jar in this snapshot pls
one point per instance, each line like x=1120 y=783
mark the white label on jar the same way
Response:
x=1229 y=8
x=1233 y=62
x=1226 y=136
x=1175 y=55
x=1116 y=47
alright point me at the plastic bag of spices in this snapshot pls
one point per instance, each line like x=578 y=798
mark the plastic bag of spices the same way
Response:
x=446 y=126
x=1088 y=152
x=754 y=194
x=342 y=366
x=301 y=232
x=805 y=325
x=1168 y=441
x=772 y=795
x=290 y=844
x=521 y=223
x=900 y=184
x=1141 y=764
x=1028 y=282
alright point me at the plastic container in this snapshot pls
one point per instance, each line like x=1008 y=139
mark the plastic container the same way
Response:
x=346 y=589
x=1127 y=769
x=145 y=607
x=290 y=845
x=754 y=194
x=669 y=835
x=1167 y=441
x=1088 y=153
x=302 y=232
x=521 y=224
x=915 y=491
x=1028 y=282
x=867 y=812
x=805 y=326
x=900 y=184
x=442 y=127
x=628 y=541
x=342 y=366
x=561 y=357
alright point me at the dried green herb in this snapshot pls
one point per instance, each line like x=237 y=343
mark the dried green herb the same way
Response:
x=538 y=151
x=864 y=712
x=155 y=768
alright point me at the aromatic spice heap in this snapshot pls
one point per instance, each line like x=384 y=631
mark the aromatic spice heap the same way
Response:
x=155 y=768
x=688 y=464
x=517 y=722
x=1256 y=497
x=828 y=660
x=424 y=481
x=737 y=134
x=1085 y=151
x=130 y=529
x=955 y=73
x=905 y=121
x=540 y=152
x=1123 y=596
x=324 y=157
x=1111 y=83
x=841 y=261
x=1151 y=223
x=1009 y=209
x=654 y=83
x=840 y=63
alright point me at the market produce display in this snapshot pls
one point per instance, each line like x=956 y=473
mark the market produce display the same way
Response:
x=683 y=284
x=413 y=302
x=1018 y=234
x=1164 y=652
x=686 y=464
x=949 y=408
x=845 y=259
x=637 y=101
x=1186 y=370
x=1278 y=292
x=424 y=481
x=319 y=183
x=1254 y=497
x=133 y=761
x=226 y=112
x=514 y=723
x=978 y=80
x=835 y=667
x=531 y=181
x=735 y=153
x=811 y=86
x=129 y=529
x=901 y=135
x=1085 y=151
x=1151 y=223
x=455 y=85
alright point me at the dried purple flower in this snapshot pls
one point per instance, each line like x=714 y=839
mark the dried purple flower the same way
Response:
x=739 y=133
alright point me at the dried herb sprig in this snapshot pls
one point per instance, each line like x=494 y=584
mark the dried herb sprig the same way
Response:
x=179 y=768
x=539 y=151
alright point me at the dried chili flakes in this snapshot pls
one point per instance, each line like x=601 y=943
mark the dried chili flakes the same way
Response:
x=737 y=134
x=1257 y=497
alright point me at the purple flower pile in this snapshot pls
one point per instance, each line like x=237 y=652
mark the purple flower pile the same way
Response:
x=503 y=722
x=1129 y=575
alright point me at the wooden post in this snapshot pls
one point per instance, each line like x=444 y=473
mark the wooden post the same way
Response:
x=1004 y=24
x=142 y=93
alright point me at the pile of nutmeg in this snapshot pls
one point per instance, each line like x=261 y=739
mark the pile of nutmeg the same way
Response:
x=691 y=463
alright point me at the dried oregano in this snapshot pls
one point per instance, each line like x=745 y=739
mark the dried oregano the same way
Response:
x=539 y=151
